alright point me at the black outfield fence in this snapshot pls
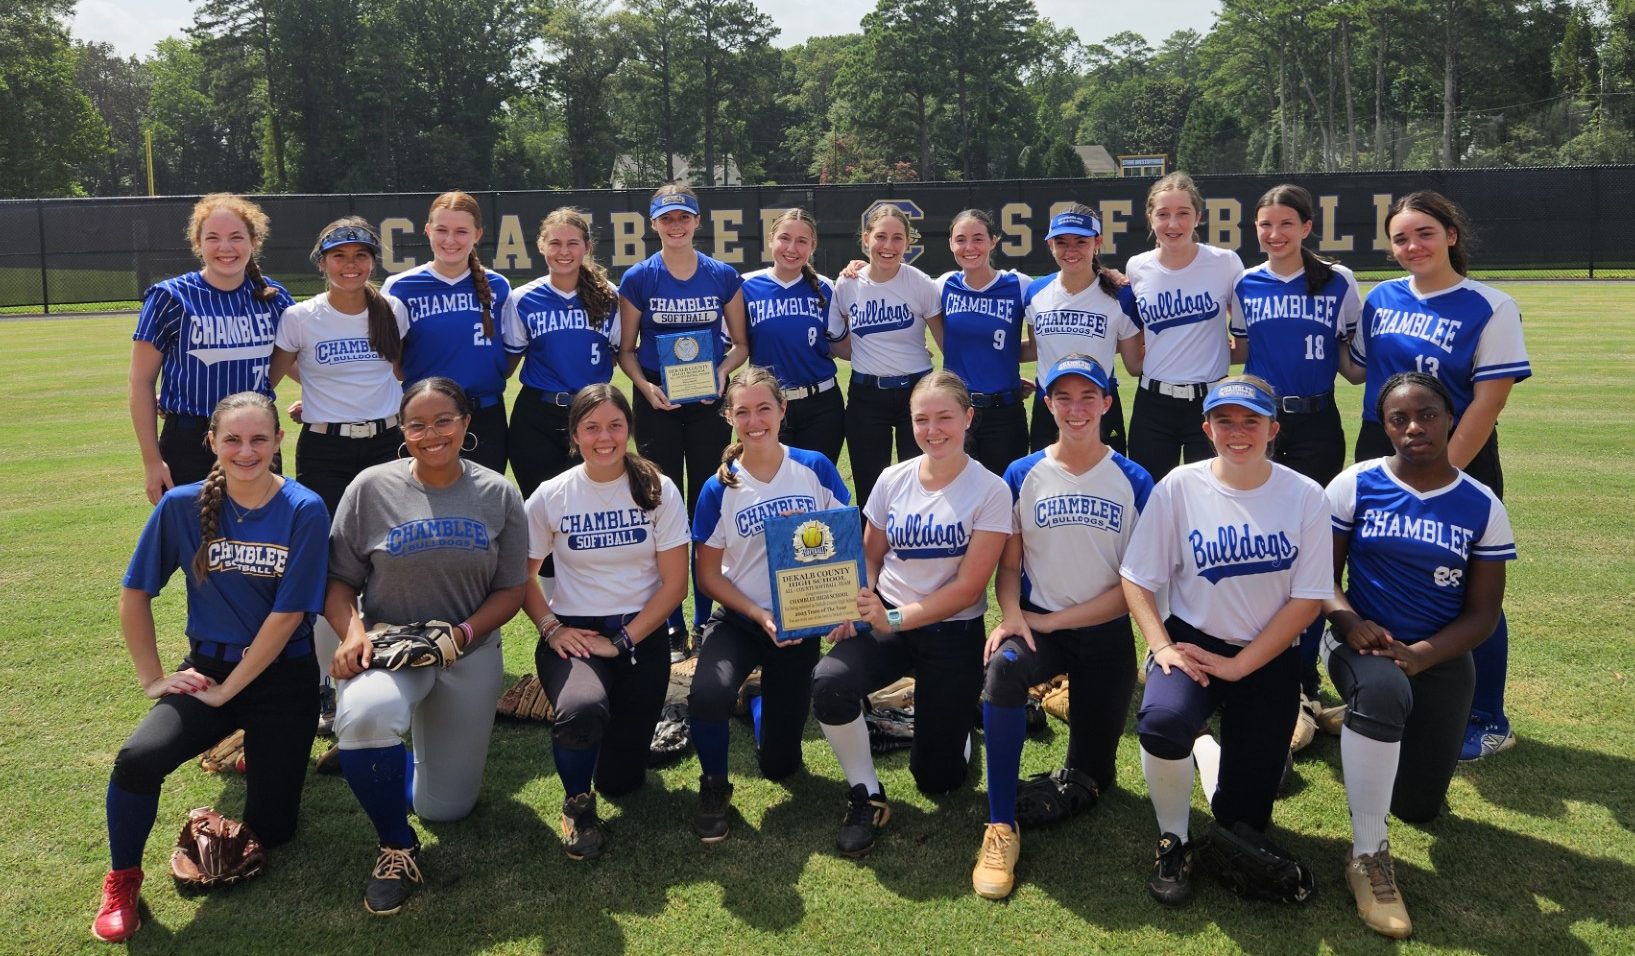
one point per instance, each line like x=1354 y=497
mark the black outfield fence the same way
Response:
x=1546 y=222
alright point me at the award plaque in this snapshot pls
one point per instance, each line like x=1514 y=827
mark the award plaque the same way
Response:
x=815 y=560
x=687 y=360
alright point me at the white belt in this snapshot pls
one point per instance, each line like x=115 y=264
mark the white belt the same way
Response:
x=807 y=391
x=355 y=429
x=1187 y=392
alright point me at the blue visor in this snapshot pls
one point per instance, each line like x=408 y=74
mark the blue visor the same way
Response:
x=1081 y=365
x=345 y=236
x=1074 y=224
x=1240 y=393
x=670 y=203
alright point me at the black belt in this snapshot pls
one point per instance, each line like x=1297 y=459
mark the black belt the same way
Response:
x=996 y=399
x=1306 y=404
x=889 y=381
x=607 y=625
x=235 y=652
x=183 y=418
x=559 y=399
x=1190 y=392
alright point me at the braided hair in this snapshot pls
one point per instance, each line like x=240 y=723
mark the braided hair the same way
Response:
x=215 y=483
x=596 y=293
x=464 y=202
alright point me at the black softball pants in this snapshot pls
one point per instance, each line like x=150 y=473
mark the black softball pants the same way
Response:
x=328 y=463
x=1099 y=663
x=489 y=429
x=816 y=423
x=946 y=660
x=1165 y=431
x=538 y=439
x=607 y=703
x=734 y=646
x=873 y=416
x=1042 y=431
x=1257 y=719
x=278 y=712
x=998 y=436
x=685 y=443
x=1427 y=713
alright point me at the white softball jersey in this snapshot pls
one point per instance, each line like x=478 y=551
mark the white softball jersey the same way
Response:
x=928 y=532
x=887 y=320
x=343 y=379
x=1183 y=313
x=1088 y=322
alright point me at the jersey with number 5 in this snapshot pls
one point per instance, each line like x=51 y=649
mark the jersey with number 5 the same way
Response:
x=445 y=334
x=563 y=347
x=1463 y=335
x=1410 y=552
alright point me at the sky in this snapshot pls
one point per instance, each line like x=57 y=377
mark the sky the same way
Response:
x=134 y=26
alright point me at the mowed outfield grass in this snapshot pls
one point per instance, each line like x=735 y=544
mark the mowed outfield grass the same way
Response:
x=1536 y=856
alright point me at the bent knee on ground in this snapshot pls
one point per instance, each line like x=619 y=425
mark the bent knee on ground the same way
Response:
x=1166 y=734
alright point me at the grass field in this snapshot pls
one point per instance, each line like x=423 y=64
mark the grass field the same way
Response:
x=1536 y=856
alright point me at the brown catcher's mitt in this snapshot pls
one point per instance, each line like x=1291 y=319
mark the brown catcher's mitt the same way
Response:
x=213 y=850
x=1053 y=695
x=226 y=755
x=525 y=700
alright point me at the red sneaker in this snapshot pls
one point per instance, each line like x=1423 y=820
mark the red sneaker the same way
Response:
x=118 y=920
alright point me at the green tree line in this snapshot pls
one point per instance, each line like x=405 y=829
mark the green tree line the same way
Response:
x=325 y=96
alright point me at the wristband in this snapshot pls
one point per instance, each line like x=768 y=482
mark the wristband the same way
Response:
x=545 y=621
x=623 y=640
x=550 y=628
x=465 y=628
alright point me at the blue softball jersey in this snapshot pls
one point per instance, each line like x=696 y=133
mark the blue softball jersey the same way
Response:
x=563 y=347
x=982 y=330
x=1294 y=336
x=1463 y=335
x=274 y=559
x=668 y=304
x=214 y=343
x=791 y=326
x=1410 y=551
x=446 y=330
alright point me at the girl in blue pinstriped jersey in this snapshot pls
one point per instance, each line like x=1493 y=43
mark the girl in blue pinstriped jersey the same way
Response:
x=454 y=308
x=201 y=337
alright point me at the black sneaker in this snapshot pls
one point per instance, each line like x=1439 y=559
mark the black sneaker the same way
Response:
x=582 y=834
x=680 y=645
x=714 y=796
x=866 y=816
x=326 y=710
x=1171 y=880
x=392 y=880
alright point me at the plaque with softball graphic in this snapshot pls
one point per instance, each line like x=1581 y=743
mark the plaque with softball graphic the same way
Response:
x=687 y=360
x=815 y=560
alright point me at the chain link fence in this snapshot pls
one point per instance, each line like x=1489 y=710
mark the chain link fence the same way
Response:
x=1550 y=222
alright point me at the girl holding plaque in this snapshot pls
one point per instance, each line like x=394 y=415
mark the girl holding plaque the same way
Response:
x=934 y=530
x=759 y=478
x=679 y=289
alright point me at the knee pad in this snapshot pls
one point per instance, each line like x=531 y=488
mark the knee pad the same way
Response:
x=580 y=729
x=1378 y=709
x=1006 y=681
x=835 y=700
x=710 y=701
x=1165 y=733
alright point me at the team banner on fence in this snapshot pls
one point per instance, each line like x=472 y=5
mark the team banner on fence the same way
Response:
x=1541 y=221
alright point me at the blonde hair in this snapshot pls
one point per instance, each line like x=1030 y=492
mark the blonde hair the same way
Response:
x=750 y=377
x=255 y=222
x=944 y=381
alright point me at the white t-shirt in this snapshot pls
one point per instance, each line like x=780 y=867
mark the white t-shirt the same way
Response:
x=928 y=532
x=734 y=519
x=606 y=548
x=1184 y=313
x=1233 y=558
x=1089 y=322
x=1075 y=528
x=342 y=378
x=887 y=320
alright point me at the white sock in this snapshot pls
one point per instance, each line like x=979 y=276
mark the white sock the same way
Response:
x=1370 y=769
x=1169 y=783
x=548 y=586
x=968 y=738
x=324 y=644
x=850 y=742
x=1206 y=752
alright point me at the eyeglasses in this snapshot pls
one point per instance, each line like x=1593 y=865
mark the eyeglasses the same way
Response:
x=414 y=431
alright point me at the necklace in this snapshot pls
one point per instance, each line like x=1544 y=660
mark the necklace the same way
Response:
x=239 y=514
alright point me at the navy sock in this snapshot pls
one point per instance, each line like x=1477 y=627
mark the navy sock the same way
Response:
x=1003 y=728
x=678 y=620
x=1311 y=641
x=575 y=767
x=1492 y=657
x=702 y=605
x=710 y=737
x=130 y=820
x=408 y=779
x=755 y=715
x=375 y=775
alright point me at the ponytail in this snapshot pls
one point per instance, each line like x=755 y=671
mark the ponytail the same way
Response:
x=1318 y=270
x=215 y=488
x=384 y=336
x=596 y=293
x=485 y=292
x=811 y=276
x=1103 y=278
x=751 y=376
x=645 y=488
x=263 y=288
x=733 y=451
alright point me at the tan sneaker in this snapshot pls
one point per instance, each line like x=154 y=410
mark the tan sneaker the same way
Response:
x=995 y=873
x=1331 y=719
x=1373 y=881
x=1305 y=724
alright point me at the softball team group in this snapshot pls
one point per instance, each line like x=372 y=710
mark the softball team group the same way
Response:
x=1206 y=523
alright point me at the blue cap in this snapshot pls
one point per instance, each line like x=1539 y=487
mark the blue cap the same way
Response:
x=1241 y=393
x=1074 y=224
x=1082 y=365
x=670 y=202
x=344 y=236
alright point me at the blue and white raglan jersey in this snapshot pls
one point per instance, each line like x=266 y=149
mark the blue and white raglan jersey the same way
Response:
x=275 y=559
x=1295 y=337
x=734 y=519
x=1233 y=558
x=790 y=328
x=1181 y=311
x=1410 y=551
x=928 y=532
x=446 y=330
x=668 y=304
x=563 y=347
x=605 y=547
x=982 y=330
x=1075 y=528
x=1088 y=322
x=1463 y=335
x=214 y=343
x=887 y=321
